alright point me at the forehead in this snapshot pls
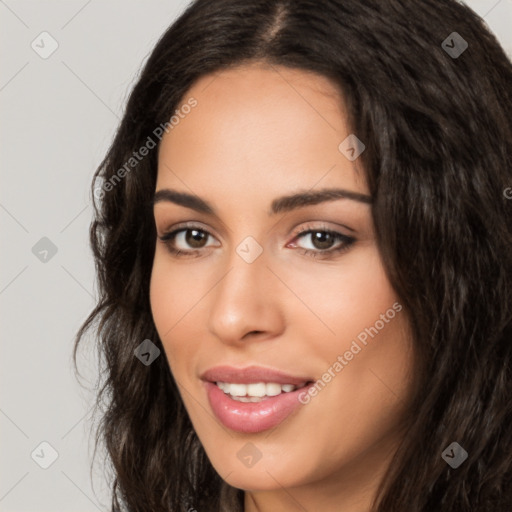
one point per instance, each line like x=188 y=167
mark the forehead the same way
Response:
x=262 y=128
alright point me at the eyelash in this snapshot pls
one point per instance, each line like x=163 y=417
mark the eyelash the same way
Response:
x=347 y=242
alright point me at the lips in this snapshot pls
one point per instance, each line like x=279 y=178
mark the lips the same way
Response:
x=251 y=375
x=251 y=414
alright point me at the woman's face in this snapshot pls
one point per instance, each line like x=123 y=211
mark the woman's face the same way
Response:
x=284 y=302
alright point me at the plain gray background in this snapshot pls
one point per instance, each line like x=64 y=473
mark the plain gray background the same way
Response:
x=58 y=117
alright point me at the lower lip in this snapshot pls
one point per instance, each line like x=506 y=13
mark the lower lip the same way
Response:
x=251 y=417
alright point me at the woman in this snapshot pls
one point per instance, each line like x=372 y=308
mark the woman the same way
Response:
x=303 y=245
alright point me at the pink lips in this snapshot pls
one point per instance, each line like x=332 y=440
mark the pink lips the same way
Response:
x=251 y=417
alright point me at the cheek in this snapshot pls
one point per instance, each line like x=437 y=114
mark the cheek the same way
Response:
x=364 y=323
x=371 y=334
x=173 y=291
x=177 y=297
x=168 y=299
x=346 y=298
x=161 y=296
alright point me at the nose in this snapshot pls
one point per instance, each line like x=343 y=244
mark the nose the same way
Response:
x=245 y=303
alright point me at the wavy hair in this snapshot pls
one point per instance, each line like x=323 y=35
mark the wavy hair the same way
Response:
x=438 y=160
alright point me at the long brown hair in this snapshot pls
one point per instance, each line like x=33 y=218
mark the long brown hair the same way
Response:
x=438 y=133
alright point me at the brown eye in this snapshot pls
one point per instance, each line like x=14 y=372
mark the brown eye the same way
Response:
x=186 y=241
x=322 y=240
x=195 y=238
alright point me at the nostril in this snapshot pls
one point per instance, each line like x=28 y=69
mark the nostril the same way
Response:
x=254 y=333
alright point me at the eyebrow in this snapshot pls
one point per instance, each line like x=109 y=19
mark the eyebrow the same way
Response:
x=280 y=204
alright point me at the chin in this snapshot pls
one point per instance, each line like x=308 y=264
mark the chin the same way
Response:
x=260 y=480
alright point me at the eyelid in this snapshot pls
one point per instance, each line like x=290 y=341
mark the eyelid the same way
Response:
x=309 y=227
x=191 y=224
x=322 y=226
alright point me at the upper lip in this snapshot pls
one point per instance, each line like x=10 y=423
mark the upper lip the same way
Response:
x=251 y=375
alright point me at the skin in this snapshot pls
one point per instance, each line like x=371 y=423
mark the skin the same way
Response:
x=259 y=132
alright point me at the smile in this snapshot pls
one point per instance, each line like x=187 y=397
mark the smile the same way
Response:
x=256 y=392
x=252 y=399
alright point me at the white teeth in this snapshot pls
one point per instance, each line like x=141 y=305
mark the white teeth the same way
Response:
x=254 y=392
x=237 y=389
x=273 y=389
x=258 y=389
